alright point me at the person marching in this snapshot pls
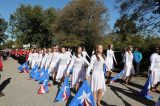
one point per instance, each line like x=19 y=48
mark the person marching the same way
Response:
x=110 y=63
x=97 y=62
x=128 y=67
x=34 y=58
x=84 y=53
x=30 y=57
x=48 y=58
x=44 y=57
x=155 y=69
x=40 y=57
x=63 y=62
x=78 y=64
x=68 y=51
x=53 y=64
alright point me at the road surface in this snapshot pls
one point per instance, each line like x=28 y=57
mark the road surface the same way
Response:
x=19 y=91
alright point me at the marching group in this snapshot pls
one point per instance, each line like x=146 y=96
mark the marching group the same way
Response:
x=61 y=63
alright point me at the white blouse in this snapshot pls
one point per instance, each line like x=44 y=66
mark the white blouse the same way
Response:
x=155 y=61
x=77 y=62
x=63 y=59
x=128 y=58
x=49 y=58
x=34 y=57
x=85 y=54
x=96 y=65
x=110 y=55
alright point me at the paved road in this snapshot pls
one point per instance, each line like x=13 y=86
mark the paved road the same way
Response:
x=22 y=92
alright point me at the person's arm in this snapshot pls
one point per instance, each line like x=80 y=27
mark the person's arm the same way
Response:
x=86 y=61
x=45 y=60
x=140 y=56
x=88 y=55
x=30 y=58
x=68 y=59
x=126 y=58
x=106 y=64
x=36 y=58
x=50 y=60
x=152 y=59
x=90 y=67
x=56 y=60
x=70 y=66
x=40 y=63
x=114 y=58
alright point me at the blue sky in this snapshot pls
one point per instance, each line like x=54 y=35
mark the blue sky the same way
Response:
x=9 y=6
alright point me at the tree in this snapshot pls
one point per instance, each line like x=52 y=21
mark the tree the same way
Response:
x=146 y=13
x=126 y=29
x=7 y=44
x=3 y=28
x=124 y=25
x=32 y=24
x=86 y=19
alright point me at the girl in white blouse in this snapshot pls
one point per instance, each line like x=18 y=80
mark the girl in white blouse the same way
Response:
x=85 y=54
x=40 y=56
x=63 y=61
x=30 y=56
x=109 y=60
x=128 y=67
x=48 y=58
x=44 y=57
x=34 y=58
x=53 y=65
x=97 y=63
x=155 y=69
x=78 y=64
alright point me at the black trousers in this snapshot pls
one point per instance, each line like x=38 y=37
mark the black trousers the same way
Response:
x=137 y=68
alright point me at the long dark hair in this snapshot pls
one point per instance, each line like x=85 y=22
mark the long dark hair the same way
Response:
x=76 y=51
x=109 y=46
x=129 y=49
x=96 y=53
x=61 y=49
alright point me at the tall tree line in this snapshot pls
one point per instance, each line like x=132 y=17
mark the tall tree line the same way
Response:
x=85 y=23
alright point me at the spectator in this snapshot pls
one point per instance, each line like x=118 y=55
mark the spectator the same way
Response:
x=136 y=60
x=1 y=68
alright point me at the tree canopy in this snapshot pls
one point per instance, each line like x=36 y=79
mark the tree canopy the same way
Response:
x=85 y=23
x=31 y=24
x=86 y=20
x=3 y=28
x=146 y=13
x=78 y=23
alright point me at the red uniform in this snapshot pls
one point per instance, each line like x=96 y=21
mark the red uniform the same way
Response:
x=1 y=64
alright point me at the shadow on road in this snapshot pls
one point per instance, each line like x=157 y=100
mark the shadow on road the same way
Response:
x=133 y=83
x=133 y=94
x=5 y=83
x=103 y=103
x=136 y=85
